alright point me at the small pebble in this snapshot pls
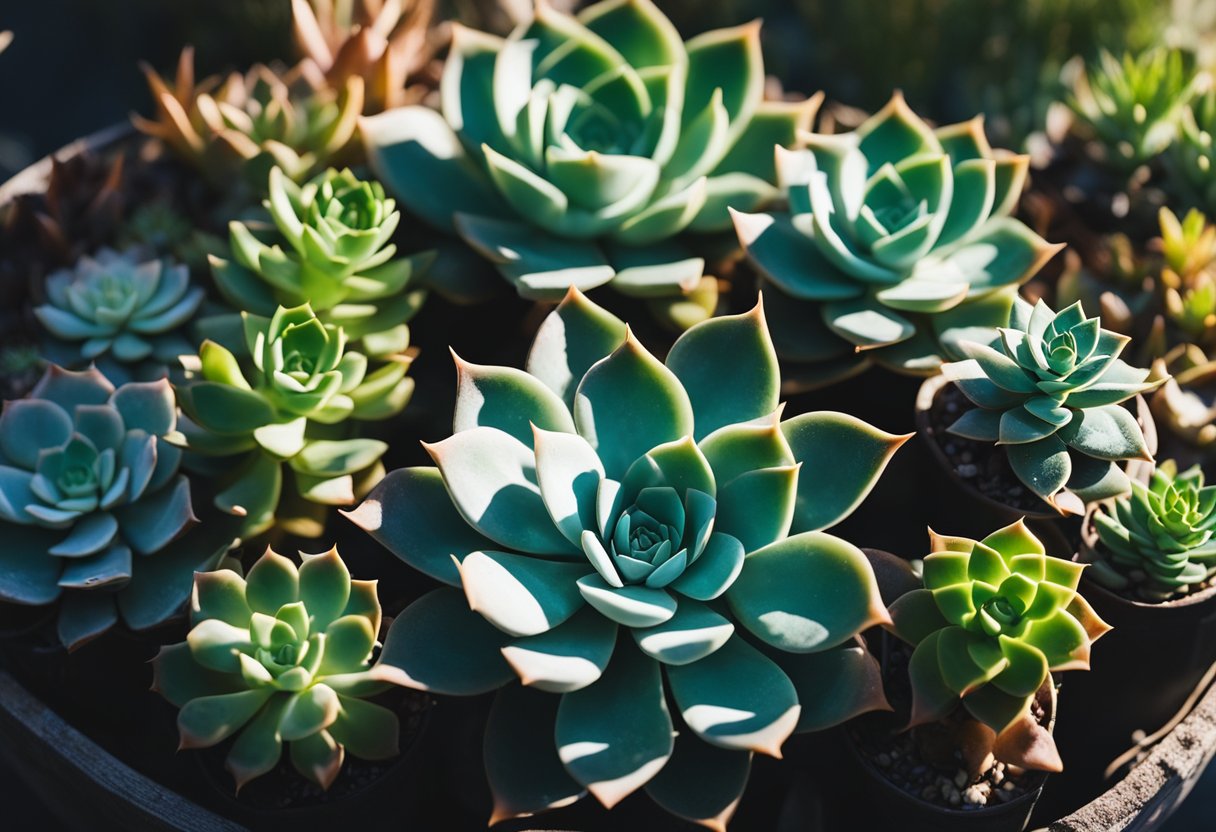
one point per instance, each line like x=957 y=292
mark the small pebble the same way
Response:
x=955 y=797
x=967 y=471
x=976 y=796
x=883 y=760
x=1008 y=786
x=961 y=778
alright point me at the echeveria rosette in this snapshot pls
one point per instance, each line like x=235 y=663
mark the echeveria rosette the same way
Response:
x=994 y=619
x=615 y=530
x=94 y=510
x=1047 y=389
x=280 y=658
x=124 y=311
x=579 y=149
x=1157 y=542
x=332 y=250
x=895 y=234
x=293 y=402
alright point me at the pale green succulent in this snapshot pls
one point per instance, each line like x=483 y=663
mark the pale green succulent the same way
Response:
x=896 y=235
x=281 y=658
x=94 y=511
x=125 y=311
x=579 y=149
x=1047 y=389
x=332 y=251
x=1157 y=543
x=293 y=406
x=617 y=532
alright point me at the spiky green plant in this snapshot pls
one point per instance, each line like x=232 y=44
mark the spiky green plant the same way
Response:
x=1190 y=158
x=282 y=657
x=1133 y=105
x=577 y=150
x=896 y=233
x=93 y=508
x=617 y=530
x=124 y=310
x=292 y=405
x=995 y=618
x=1157 y=542
x=1047 y=389
x=332 y=251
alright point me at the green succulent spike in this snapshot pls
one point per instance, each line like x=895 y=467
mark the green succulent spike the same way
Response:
x=282 y=657
x=1133 y=105
x=1048 y=388
x=93 y=508
x=896 y=234
x=332 y=250
x=1158 y=542
x=994 y=619
x=1190 y=157
x=123 y=311
x=618 y=530
x=294 y=402
x=577 y=150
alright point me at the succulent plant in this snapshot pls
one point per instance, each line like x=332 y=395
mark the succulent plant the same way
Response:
x=290 y=404
x=605 y=521
x=384 y=42
x=1133 y=105
x=1157 y=543
x=1047 y=388
x=995 y=618
x=335 y=256
x=283 y=656
x=577 y=150
x=124 y=310
x=94 y=509
x=243 y=125
x=1185 y=404
x=895 y=234
x=1190 y=157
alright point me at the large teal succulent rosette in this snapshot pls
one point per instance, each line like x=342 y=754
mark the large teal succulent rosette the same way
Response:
x=896 y=236
x=578 y=150
x=616 y=533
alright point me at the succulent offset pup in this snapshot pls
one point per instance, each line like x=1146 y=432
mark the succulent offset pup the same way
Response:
x=281 y=657
x=614 y=530
x=577 y=150
x=290 y=404
x=124 y=311
x=93 y=508
x=338 y=259
x=243 y=125
x=1157 y=543
x=896 y=233
x=995 y=618
x=1047 y=388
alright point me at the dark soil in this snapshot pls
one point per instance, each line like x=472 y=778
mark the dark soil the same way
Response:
x=981 y=465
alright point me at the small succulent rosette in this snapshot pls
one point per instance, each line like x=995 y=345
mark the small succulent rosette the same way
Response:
x=94 y=510
x=617 y=533
x=288 y=413
x=1156 y=544
x=995 y=618
x=895 y=235
x=578 y=150
x=127 y=312
x=282 y=657
x=1047 y=388
x=235 y=129
x=330 y=247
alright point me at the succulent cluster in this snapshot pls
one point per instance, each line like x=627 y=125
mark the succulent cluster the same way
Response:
x=243 y=125
x=332 y=251
x=618 y=530
x=291 y=403
x=93 y=506
x=1157 y=543
x=1134 y=105
x=1191 y=155
x=896 y=234
x=577 y=150
x=1047 y=388
x=281 y=657
x=995 y=618
x=124 y=310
